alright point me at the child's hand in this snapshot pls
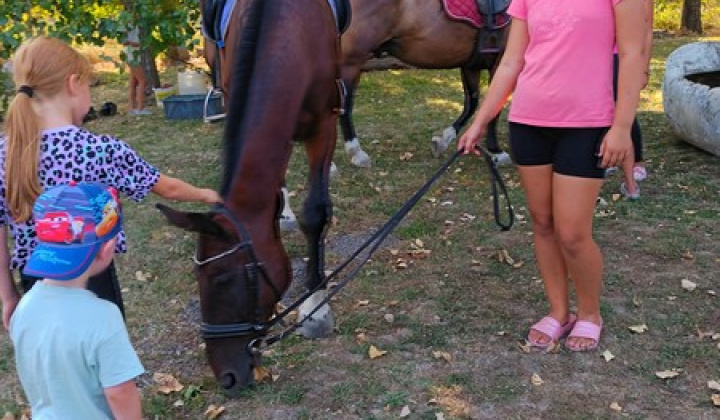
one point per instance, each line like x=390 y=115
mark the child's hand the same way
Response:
x=211 y=196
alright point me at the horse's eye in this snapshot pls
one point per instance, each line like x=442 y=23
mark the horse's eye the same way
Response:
x=223 y=279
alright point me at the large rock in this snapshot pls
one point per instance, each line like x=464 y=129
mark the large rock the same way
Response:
x=691 y=94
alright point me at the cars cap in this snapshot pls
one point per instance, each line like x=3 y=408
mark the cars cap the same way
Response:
x=71 y=222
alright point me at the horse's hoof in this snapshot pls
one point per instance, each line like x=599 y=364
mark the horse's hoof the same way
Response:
x=288 y=224
x=321 y=323
x=361 y=159
x=501 y=159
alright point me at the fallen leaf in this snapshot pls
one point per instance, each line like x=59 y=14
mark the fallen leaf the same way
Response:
x=615 y=406
x=406 y=156
x=374 y=352
x=638 y=329
x=443 y=355
x=607 y=355
x=390 y=318
x=439 y=416
x=140 y=276
x=688 y=285
x=167 y=383
x=214 y=411
x=616 y=197
x=524 y=346
x=688 y=255
x=668 y=374
x=362 y=338
x=405 y=412
x=262 y=374
x=716 y=400
x=178 y=403
x=714 y=385
x=536 y=380
x=363 y=303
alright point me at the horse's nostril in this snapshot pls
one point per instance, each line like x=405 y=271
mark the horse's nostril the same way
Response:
x=228 y=380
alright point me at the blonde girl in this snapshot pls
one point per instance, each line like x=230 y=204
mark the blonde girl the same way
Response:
x=44 y=146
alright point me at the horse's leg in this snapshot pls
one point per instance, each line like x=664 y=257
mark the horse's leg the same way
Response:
x=358 y=157
x=317 y=213
x=470 y=81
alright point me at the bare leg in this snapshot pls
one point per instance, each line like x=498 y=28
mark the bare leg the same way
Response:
x=537 y=182
x=583 y=259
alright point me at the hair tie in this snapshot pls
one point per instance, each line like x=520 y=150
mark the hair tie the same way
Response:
x=26 y=90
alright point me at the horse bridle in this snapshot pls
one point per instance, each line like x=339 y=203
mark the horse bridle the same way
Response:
x=254 y=270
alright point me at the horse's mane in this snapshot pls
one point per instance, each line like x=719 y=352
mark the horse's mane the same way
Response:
x=245 y=53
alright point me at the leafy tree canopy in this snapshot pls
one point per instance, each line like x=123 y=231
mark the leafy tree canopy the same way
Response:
x=163 y=22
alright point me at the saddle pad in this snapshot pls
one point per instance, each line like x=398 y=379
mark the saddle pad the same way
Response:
x=463 y=10
x=227 y=10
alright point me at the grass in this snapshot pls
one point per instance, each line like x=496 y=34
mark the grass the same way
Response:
x=460 y=299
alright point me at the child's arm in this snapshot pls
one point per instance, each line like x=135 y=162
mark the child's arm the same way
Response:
x=8 y=291
x=124 y=401
x=175 y=189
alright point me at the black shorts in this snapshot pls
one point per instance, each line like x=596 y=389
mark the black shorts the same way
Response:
x=571 y=151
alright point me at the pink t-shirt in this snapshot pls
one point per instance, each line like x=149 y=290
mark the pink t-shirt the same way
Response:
x=567 y=78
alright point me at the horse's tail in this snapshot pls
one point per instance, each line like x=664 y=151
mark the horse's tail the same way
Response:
x=242 y=75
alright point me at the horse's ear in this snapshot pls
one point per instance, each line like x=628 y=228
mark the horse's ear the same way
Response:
x=190 y=221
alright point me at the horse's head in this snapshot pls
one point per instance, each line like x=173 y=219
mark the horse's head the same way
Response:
x=236 y=294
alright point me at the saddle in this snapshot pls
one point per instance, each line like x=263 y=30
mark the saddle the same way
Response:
x=490 y=14
x=216 y=17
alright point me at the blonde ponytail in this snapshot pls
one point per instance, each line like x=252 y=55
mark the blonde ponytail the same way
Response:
x=41 y=68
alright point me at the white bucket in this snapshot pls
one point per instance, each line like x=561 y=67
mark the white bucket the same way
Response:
x=191 y=83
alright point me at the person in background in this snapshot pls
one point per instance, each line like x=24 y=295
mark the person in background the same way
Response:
x=565 y=131
x=72 y=351
x=44 y=146
x=138 y=82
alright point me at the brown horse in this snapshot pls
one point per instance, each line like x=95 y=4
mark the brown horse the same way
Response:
x=420 y=33
x=283 y=74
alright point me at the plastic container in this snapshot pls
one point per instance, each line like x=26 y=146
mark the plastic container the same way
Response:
x=190 y=107
x=162 y=93
x=191 y=83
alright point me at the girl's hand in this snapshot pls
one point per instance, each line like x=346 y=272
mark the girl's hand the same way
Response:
x=211 y=196
x=616 y=148
x=471 y=137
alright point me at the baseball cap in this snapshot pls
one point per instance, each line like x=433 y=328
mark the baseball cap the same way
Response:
x=72 y=222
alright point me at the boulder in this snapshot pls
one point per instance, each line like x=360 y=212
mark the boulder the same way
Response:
x=691 y=94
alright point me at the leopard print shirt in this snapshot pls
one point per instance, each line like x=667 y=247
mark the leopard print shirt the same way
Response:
x=74 y=154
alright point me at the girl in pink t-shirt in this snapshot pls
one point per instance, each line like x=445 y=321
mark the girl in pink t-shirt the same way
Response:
x=564 y=131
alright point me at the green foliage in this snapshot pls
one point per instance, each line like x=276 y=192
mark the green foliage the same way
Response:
x=668 y=12
x=165 y=23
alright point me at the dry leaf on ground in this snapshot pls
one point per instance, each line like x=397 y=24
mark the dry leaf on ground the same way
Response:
x=716 y=400
x=214 y=411
x=374 y=352
x=442 y=355
x=688 y=285
x=714 y=385
x=638 y=329
x=668 y=374
x=536 y=380
x=615 y=406
x=607 y=355
x=167 y=383
x=262 y=374
x=405 y=412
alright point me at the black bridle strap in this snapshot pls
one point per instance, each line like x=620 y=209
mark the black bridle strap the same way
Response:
x=379 y=236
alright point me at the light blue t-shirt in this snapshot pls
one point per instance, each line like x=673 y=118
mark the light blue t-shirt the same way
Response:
x=69 y=345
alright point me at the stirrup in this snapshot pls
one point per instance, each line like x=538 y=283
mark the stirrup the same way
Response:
x=212 y=93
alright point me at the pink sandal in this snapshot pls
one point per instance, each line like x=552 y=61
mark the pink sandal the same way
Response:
x=552 y=328
x=585 y=329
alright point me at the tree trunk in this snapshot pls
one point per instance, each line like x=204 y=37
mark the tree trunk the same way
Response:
x=691 y=20
x=151 y=71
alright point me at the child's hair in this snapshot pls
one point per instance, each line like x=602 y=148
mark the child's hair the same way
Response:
x=41 y=68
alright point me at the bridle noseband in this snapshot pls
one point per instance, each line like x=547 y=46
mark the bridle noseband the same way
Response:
x=254 y=269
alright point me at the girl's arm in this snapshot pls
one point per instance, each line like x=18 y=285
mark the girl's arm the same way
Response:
x=8 y=291
x=502 y=85
x=649 y=6
x=171 y=188
x=631 y=39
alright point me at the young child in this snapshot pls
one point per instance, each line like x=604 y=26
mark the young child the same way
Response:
x=72 y=351
x=44 y=147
